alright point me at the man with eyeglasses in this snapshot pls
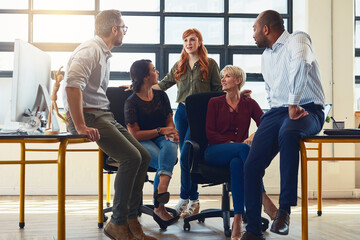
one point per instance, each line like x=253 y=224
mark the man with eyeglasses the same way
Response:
x=87 y=106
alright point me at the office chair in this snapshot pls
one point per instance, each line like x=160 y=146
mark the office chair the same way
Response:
x=196 y=109
x=117 y=97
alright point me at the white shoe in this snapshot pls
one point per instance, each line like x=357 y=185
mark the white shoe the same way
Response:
x=192 y=208
x=181 y=206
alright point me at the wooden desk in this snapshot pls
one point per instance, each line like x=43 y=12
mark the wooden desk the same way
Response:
x=319 y=139
x=63 y=140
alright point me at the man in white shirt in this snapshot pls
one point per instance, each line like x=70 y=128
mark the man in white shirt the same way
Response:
x=87 y=107
x=295 y=95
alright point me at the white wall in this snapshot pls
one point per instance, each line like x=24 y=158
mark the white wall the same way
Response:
x=331 y=26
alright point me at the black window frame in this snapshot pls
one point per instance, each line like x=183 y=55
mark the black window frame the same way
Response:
x=161 y=50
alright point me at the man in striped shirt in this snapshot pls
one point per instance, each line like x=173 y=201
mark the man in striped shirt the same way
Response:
x=296 y=99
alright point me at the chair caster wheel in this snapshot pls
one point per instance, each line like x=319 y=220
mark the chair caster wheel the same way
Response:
x=319 y=213
x=186 y=226
x=201 y=220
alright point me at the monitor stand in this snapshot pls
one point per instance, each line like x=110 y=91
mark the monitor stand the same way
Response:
x=44 y=94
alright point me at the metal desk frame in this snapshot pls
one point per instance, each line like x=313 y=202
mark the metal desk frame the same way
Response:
x=319 y=139
x=63 y=140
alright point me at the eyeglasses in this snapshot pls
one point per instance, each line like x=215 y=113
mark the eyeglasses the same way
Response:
x=125 y=28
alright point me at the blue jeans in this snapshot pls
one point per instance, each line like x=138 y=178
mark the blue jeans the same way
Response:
x=277 y=133
x=233 y=155
x=188 y=190
x=163 y=156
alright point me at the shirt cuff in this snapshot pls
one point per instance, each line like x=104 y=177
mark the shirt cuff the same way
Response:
x=294 y=99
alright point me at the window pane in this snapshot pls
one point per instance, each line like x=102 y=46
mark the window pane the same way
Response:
x=63 y=28
x=59 y=59
x=18 y=4
x=258 y=6
x=122 y=61
x=357 y=96
x=249 y=63
x=64 y=4
x=117 y=83
x=357 y=5
x=6 y=61
x=357 y=34
x=142 y=29
x=194 y=6
x=133 y=5
x=212 y=29
x=258 y=93
x=241 y=31
x=16 y=27
x=357 y=66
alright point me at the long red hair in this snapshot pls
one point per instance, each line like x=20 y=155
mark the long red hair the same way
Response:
x=184 y=58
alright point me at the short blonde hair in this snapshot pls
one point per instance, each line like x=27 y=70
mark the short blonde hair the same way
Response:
x=236 y=72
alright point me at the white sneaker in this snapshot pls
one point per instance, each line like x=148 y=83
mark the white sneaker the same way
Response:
x=181 y=206
x=192 y=208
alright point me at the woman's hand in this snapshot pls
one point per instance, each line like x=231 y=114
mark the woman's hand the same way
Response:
x=168 y=131
x=172 y=137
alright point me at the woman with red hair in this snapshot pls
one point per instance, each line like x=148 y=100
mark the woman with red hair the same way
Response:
x=193 y=73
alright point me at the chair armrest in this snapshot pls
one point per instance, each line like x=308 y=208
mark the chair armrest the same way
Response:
x=194 y=155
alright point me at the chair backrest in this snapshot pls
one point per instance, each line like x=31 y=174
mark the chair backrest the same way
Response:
x=117 y=97
x=201 y=173
x=196 y=109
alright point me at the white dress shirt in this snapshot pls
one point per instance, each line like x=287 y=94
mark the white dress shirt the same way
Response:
x=291 y=72
x=89 y=69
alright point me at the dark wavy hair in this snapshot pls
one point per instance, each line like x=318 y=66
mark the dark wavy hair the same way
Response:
x=138 y=71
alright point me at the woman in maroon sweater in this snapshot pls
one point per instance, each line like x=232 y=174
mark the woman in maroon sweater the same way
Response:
x=227 y=129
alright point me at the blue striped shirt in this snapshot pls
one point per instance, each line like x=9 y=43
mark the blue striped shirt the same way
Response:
x=291 y=72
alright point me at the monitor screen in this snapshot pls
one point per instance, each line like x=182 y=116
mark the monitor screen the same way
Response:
x=32 y=68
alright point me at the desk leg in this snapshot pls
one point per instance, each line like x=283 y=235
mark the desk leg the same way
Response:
x=61 y=190
x=100 y=194
x=304 y=195
x=319 y=197
x=22 y=187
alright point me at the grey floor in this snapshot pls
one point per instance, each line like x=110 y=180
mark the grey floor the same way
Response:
x=340 y=220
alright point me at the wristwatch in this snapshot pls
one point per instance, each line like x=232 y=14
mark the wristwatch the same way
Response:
x=158 y=130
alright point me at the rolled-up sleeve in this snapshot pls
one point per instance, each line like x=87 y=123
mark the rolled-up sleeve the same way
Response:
x=300 y=64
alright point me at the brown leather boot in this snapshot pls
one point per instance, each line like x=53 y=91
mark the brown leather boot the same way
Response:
x=118 y=232
x=136 y=230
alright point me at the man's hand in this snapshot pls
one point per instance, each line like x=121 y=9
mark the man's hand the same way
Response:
x=249 y=140
x=246 y=93
x=91 y=133
x=127 y=87
x=296 y=112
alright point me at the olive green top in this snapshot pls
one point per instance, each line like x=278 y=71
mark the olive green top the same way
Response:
x=192 y=82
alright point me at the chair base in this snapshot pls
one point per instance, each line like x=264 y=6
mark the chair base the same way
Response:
x=211 y=213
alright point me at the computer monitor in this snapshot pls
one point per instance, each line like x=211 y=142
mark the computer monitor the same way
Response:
x=31 y=82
